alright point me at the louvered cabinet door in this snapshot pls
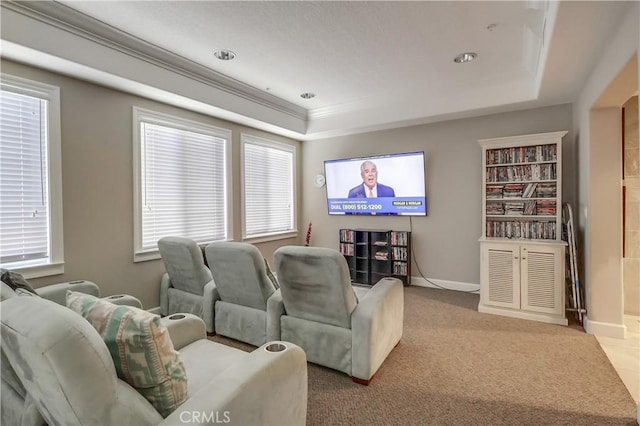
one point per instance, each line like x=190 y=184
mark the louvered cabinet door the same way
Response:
x=501 y=276
x=542 y=273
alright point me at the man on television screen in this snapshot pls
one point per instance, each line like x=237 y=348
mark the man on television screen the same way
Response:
x=370 y=188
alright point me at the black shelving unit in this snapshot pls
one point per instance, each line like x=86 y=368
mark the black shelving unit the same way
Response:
x=348 y=249
x=362 y=270
x=373 y=254
x=400 y=253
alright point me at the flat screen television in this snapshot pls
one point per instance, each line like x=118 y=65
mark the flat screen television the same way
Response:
x=391 y=184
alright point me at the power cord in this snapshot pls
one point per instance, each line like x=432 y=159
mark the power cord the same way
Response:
x=413 y=256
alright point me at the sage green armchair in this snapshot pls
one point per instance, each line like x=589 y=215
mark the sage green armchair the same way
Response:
x=324 y=317
x=187 y=286
x=57 y=370
x=245 y=291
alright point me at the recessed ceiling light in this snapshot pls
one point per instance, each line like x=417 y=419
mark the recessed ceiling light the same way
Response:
x=224 y=54
x=307 y=95
x=465 y=57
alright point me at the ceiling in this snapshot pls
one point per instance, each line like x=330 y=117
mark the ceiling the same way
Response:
x=371 y=65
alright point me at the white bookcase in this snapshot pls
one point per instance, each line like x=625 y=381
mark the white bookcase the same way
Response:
x=522 y=254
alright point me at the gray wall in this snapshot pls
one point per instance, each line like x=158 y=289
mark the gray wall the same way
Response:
x=445 y=242
x=611 y=82
x=97 y=185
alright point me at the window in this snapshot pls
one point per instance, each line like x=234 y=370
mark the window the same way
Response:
x=181 y=181
x=268 y=188
x=30 y=178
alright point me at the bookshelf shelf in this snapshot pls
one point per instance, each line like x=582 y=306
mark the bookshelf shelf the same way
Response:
x=521 y=247
x=373 y=254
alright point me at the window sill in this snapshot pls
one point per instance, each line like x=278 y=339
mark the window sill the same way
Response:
x=144 y=256
x=270 y=237
x=39 y=271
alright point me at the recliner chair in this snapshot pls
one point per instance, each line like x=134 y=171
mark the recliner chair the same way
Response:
x=244 y=289
x=187 y=286
x=325 y=318
x=56 y=369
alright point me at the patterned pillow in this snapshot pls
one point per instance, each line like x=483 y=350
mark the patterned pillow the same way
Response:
x=141 y=349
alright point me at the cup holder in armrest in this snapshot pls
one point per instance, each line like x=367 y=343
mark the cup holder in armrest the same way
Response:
x=176 y=316
x=124 y=300
x=275 y=347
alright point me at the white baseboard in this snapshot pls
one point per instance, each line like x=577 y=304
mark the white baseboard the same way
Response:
x=516 y=313
x=605 y=329
x=448 y=285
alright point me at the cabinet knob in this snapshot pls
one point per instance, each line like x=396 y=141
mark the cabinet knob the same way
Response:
x=524 y=258
x=515 y=257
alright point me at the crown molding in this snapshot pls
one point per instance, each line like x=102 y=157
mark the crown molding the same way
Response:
x=78 y=24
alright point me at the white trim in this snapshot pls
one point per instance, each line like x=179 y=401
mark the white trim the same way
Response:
x=54 y=156
x=143 y=256
x=444 y=284
x=41 y=270
x=532 y=139
x=257 y=140
x=82 y=26
x=605 y=329
x=522 y=315
x=148 y=116
x=271 y=237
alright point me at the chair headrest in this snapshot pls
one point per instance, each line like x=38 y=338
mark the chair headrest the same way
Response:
x=315 y=284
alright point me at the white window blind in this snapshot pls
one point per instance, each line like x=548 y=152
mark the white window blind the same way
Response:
x=183 y=184
x=269 y=206
x=24 y=181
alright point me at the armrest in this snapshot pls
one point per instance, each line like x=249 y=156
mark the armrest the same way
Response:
x=58 y=292
x=210 y=295
x=124 y=300
x=265 y=387
x=376 y=326
x=184 y=329
x=275 y=309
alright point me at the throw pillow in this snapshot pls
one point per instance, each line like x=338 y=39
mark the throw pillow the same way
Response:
x=141 y=349
x=15 y=281
x=271 y=275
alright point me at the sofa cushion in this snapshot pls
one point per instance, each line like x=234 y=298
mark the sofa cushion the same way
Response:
x=141 y=349
x=15 y=281
x=204 y=360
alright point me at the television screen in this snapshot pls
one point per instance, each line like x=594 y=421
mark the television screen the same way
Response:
x=384 y=185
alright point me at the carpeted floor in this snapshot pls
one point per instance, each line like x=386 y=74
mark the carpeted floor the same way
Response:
x=455 y=366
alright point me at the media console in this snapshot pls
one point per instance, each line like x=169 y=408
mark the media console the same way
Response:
x=373 y=254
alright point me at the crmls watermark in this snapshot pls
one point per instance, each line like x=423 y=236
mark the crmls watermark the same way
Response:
x=203 y=417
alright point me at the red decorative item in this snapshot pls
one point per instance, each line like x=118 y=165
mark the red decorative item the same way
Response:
x=307 y=240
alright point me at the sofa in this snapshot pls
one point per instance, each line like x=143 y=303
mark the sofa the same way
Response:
x=56 y=369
